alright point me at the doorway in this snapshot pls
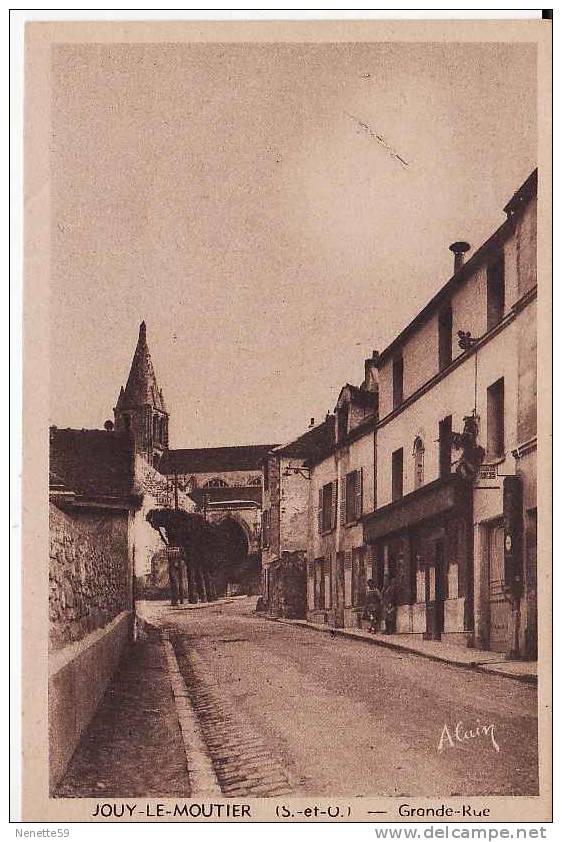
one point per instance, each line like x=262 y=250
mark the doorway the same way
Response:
x=499 y=605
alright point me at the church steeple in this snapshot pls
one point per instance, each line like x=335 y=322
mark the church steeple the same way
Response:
x=140 y=406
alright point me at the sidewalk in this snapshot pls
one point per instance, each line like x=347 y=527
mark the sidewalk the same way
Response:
x=483 y=661
x=133 y=746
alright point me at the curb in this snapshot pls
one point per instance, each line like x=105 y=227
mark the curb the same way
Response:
x=336 y=632
x=202 y=777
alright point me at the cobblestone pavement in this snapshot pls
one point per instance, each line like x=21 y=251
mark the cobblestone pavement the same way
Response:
x=133 y=746
x=244 y=762
x=317 y=715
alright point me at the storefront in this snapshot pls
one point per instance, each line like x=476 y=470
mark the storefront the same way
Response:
x=421 y=547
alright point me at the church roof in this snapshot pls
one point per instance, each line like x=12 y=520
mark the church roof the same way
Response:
x=141 y=388
x=91 y=463
x=202 y=460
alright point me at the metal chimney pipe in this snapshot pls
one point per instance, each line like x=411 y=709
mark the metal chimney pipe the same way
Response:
x=458 y=249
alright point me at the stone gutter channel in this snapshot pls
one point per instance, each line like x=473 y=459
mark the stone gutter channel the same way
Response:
x=202 y=777
x=225 y=754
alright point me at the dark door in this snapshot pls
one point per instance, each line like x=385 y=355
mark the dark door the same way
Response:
x=439 y=588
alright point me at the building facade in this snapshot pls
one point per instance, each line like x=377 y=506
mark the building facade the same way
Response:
x=455 y=517
x=341 y=490
x=286 y=477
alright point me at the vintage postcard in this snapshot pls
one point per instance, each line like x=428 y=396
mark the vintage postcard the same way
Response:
x=287 y=521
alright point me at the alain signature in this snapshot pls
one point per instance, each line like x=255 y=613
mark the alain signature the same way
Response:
x=452 y=737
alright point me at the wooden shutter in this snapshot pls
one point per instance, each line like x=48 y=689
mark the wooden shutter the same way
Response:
x=358 y=493
x=343 y=502
x=334 y=512
x=319 y=512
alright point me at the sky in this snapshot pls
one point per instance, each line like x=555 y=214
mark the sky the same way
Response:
x=274 y=212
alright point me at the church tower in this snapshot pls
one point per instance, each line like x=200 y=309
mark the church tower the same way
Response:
x=140 y=406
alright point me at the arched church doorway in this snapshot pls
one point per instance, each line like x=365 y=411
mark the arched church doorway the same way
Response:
x=234 y=565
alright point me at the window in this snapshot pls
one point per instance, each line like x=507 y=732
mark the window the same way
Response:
x=418 y=451
x=496 y=444
x=495 y=291
x=397 y=474
x=445 y=430
x=327 y=505
x=216 y=482
x=445 y=337
x=397 y=381
x=343 y=421
x=127 y=421
x=351 y=503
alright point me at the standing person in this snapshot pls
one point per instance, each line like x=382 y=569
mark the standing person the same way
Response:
x=176 y=576
x=389 y=606
x=372 y=610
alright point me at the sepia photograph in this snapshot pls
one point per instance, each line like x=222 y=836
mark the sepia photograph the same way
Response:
x=284 y=292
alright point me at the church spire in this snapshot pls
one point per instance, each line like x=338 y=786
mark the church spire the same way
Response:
x=140 y=406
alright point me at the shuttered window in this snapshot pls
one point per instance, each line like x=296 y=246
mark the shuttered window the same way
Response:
x=327 y=507
x=352 y=497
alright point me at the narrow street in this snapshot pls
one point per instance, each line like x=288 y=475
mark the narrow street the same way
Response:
x=288 y=709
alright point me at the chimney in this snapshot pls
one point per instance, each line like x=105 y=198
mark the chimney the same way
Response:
x=458 y=250
x=371 y=375
x=311 y=422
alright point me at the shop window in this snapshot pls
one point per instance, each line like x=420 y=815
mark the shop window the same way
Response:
x=495 y=431
x=445 y=337
x=418 y=451
x=397 y=475
x=397 y=381
x=445 y=430
x=495 y=277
